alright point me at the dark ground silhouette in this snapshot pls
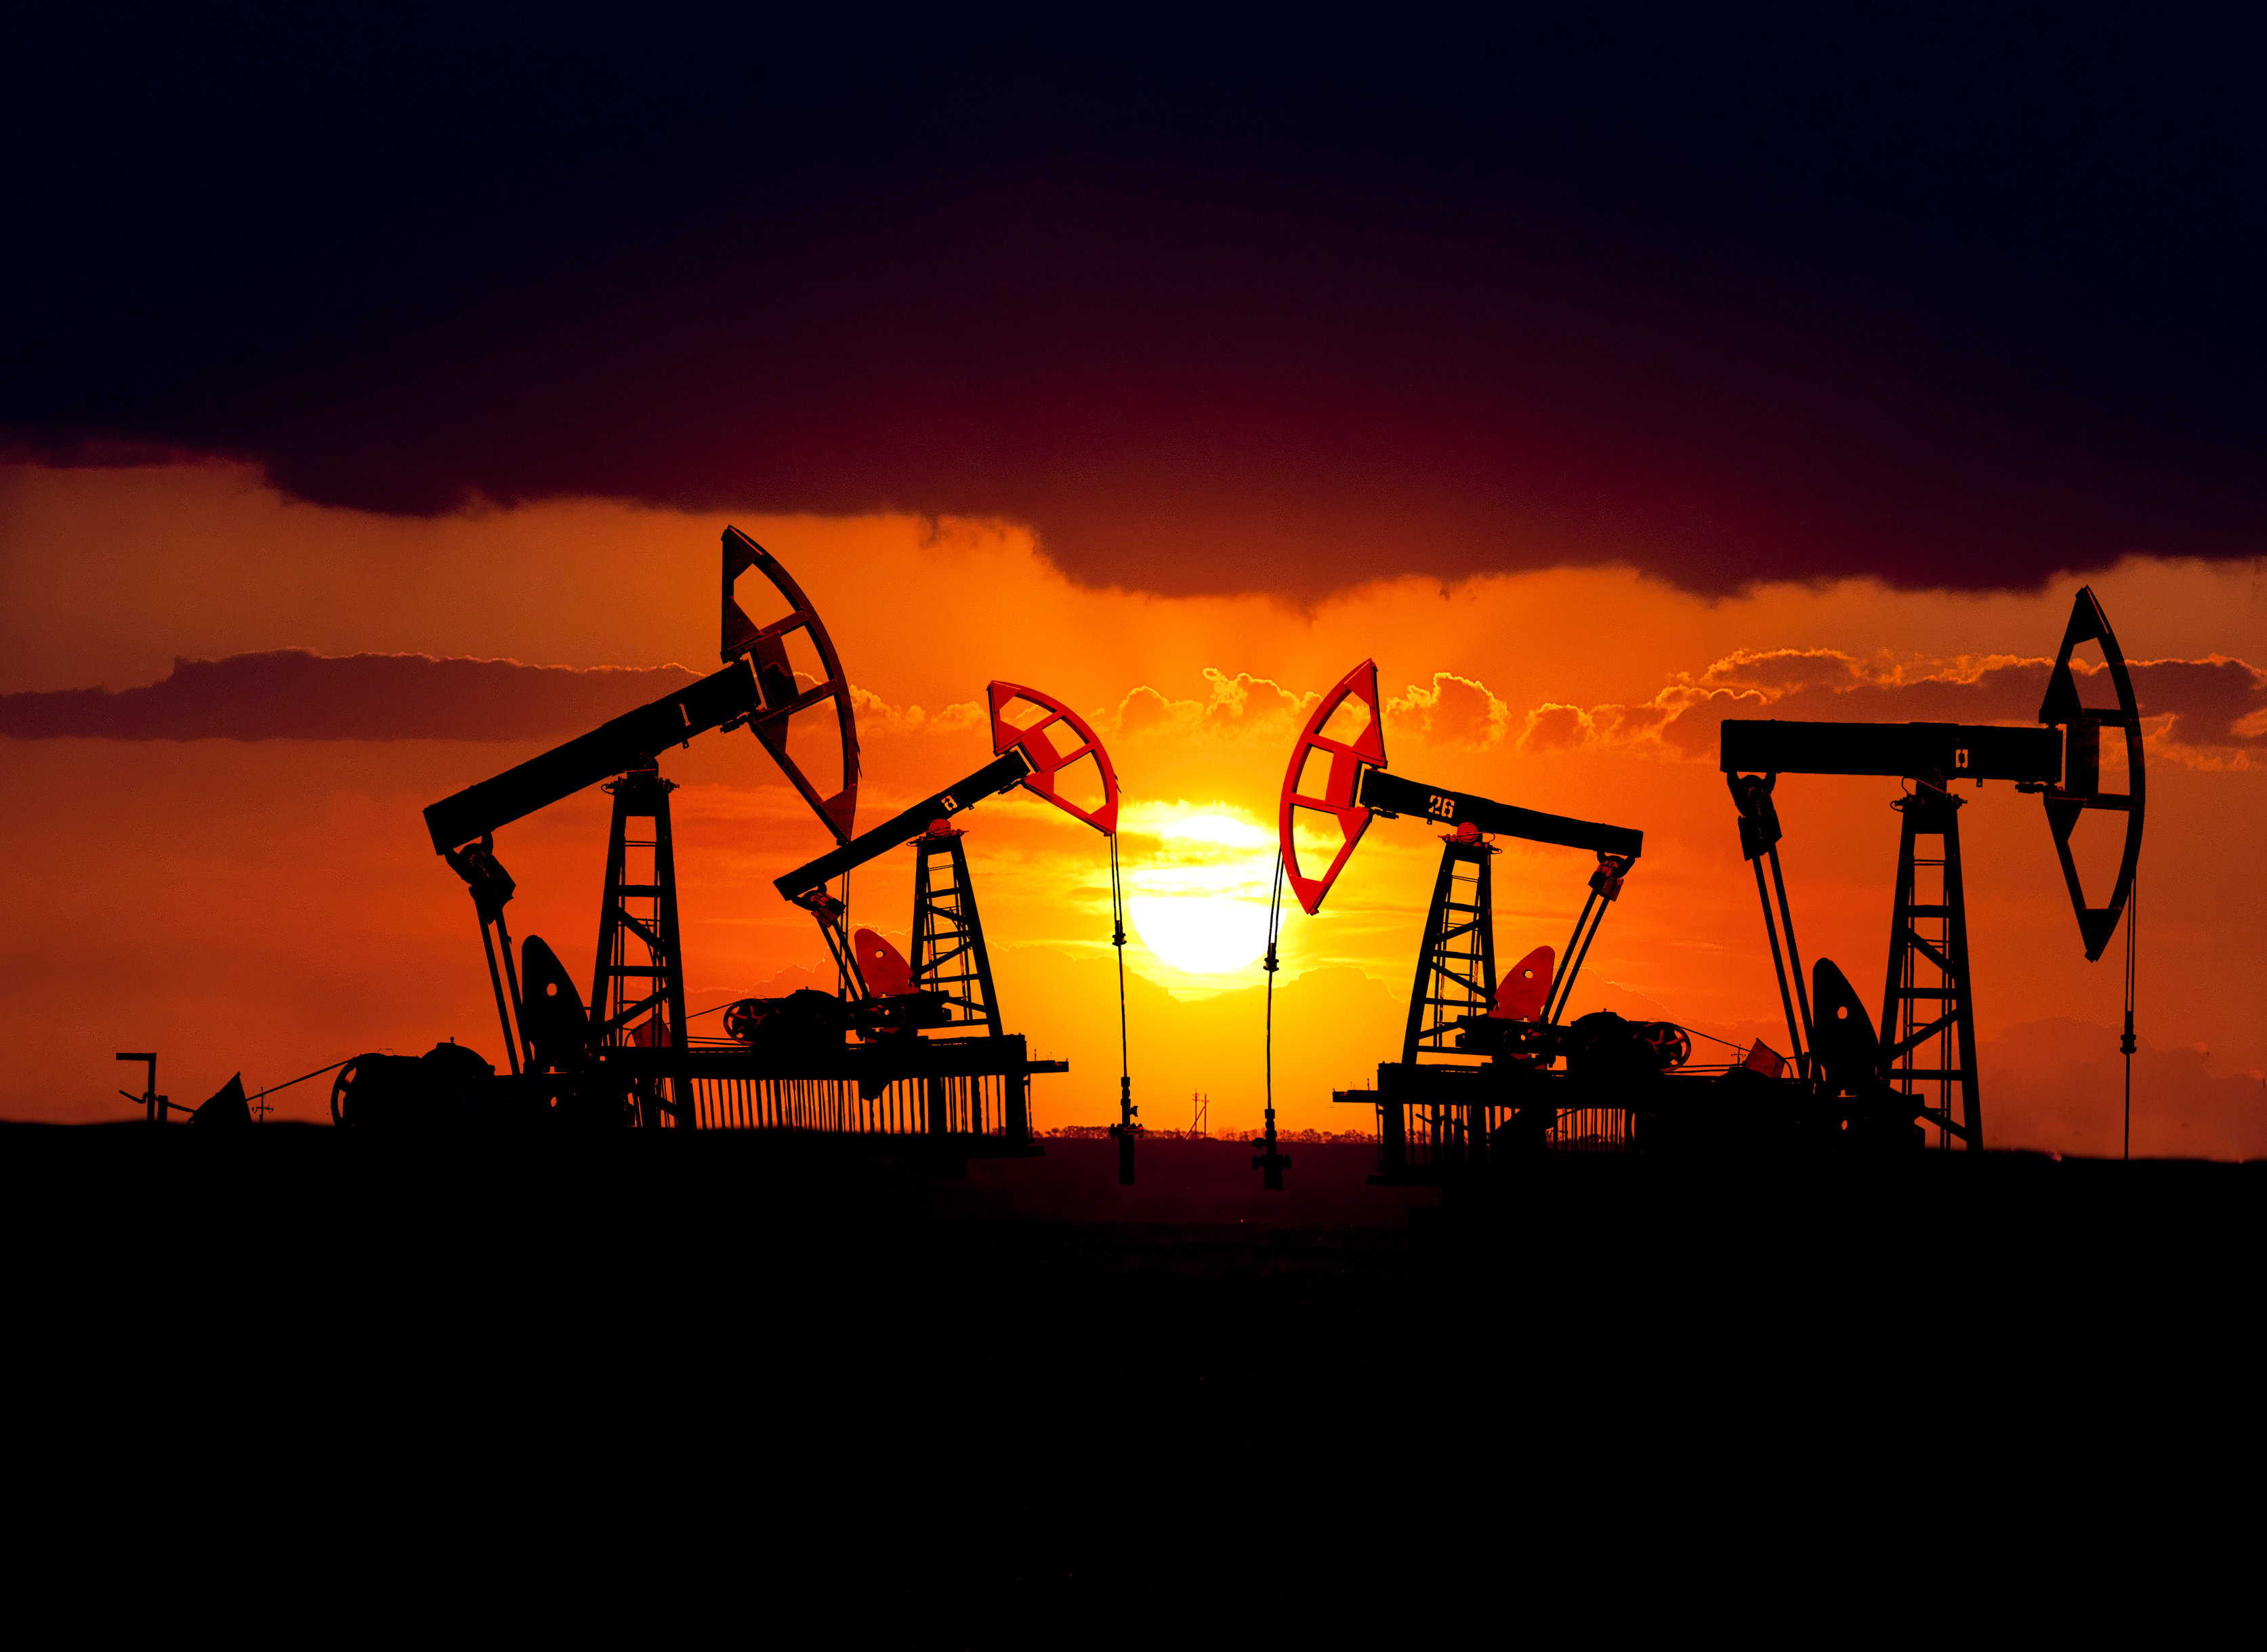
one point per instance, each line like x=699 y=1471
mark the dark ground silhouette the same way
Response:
x=1192 y=1289
x=1035 y=1407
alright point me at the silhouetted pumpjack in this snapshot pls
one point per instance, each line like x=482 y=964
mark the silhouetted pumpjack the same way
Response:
x=1440 y=1117
x=945 y=991
x=571 y=1062
x=1928 y=996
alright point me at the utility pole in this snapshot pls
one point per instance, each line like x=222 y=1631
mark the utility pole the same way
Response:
x=150 y=1098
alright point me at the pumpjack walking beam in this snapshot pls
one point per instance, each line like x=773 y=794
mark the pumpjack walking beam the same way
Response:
x=806 y=885
x=1001 y=774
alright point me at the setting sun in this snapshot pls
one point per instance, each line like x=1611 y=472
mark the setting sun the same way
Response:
x=1198 y=901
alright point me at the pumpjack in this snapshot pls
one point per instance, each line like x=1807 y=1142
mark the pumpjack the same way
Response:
x=1919 y=1071
x=934 y=1018
x=618 y=1062
x=1475 y=1081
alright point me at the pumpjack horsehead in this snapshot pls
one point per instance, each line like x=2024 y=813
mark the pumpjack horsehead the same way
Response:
x=1474 y=1078
x=573 y=1063
x=1877 y=1087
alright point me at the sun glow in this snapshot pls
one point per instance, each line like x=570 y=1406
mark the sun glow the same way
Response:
x=1199 y=899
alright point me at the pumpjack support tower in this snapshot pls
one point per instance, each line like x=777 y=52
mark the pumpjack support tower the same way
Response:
x=950 y=956
x=637 y=991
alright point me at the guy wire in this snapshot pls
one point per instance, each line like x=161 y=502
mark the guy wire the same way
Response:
x=302 y=1079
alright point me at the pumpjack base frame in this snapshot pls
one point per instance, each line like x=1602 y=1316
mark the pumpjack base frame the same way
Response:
x=941 y=1099
x=940 y=1102
x=1426 y=1113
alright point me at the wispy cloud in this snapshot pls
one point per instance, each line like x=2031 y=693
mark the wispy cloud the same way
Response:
x=1237 y=708
x=2208 y=713
x=1453 y=711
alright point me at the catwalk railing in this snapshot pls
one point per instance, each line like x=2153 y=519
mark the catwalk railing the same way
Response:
x=974 y=1093
x=1435 y=1135
x=1426 y=1115
x=984 y=1105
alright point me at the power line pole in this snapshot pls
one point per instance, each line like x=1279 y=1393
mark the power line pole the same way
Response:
x=154 y=1102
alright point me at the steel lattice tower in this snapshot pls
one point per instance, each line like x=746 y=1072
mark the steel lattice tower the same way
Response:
x=1926 y=1000
x=637 y=993
x=1456 y=968
x=949 y=953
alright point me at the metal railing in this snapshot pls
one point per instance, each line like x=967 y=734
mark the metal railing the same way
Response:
x=1591 y=1130
x=1433 y=1134
x=987 y=1105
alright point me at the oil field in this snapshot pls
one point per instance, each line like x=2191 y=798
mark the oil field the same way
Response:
x=907 y=1057
x=904 y=1055
x=1475 y=727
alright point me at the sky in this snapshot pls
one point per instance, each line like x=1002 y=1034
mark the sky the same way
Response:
x=361 y=434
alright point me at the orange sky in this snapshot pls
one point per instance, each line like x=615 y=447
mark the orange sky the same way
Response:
x=274 y=906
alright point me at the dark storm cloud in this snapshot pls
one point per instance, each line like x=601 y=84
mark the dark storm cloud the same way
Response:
x=292 y=695
x=1276 y=306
